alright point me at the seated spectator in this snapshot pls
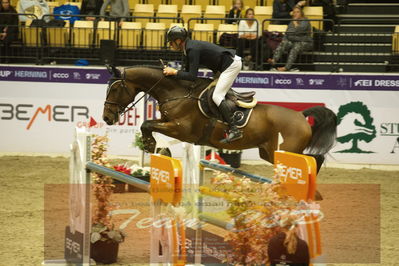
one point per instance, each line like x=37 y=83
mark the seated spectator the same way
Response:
x=8 y=26
x=91 y=8
x=282 y=10
x=119 y=8
x=286 y=248
x=36 y=7
x=235 y=12
x=248 y=35
x=297 y=39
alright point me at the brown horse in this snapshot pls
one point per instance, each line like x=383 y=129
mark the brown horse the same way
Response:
x=182 y=119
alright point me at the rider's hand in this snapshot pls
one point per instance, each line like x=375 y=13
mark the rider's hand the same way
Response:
x=168 y=71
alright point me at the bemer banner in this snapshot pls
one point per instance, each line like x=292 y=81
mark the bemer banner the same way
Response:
x=40 y=106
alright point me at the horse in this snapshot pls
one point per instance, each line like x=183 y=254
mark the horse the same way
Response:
x=182 y=119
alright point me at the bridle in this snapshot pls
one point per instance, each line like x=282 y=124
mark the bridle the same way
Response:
x=123 y=109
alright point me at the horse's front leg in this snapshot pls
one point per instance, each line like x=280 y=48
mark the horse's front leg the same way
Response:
x=149 y=126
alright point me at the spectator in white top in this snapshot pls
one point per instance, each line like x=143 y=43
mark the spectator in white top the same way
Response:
x=248 y=35
x=36 y=7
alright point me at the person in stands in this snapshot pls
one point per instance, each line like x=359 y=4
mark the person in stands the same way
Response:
x=248 y=36
x=37 y=7
x=297 y=39
x=91 y=8
x=235 y=12
x=286 y=248
x=282 y=10
x=119 y=8
x=8 y=27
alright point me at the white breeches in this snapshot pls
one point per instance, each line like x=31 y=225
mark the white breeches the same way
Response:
x=226 y=80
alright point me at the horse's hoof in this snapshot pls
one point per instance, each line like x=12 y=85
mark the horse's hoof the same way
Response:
x=318 y=196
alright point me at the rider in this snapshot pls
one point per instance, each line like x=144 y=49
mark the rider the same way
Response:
x=214 y=57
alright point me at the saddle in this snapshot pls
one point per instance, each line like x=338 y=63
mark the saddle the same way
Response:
x=240 y=103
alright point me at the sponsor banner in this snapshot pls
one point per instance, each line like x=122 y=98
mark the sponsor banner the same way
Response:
x=45 y=122
x=54 y=74
x=301 y=81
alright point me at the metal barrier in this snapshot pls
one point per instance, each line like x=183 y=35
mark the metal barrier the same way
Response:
x=145 y=43
x=23 y=44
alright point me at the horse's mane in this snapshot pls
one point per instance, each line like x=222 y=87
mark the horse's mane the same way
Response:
x=144 y=66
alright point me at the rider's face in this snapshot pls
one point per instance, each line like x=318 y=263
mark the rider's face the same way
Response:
x=175 y=45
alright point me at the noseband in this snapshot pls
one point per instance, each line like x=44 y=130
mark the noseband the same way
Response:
x=123 y=109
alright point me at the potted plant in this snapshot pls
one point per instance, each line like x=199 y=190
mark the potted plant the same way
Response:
x=142 y=173
x=105 y=238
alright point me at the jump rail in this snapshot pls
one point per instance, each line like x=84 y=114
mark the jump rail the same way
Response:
x=144 y=185
x=236 y=172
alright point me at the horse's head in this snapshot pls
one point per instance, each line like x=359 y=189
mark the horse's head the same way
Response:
x=119 y=95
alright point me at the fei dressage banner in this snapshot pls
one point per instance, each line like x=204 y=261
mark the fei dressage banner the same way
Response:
x=40 y=107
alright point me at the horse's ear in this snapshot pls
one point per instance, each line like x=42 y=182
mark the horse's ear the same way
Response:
x=114 y=71
x=109 y=68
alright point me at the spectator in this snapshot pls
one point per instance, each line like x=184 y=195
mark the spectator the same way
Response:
x=297 y=39
x=8 y=26
x=36 y=7
x=282 y=10
x=235 y=12
x=286 y=248
x=91 y=8
x=119 y=8
x=248 y=36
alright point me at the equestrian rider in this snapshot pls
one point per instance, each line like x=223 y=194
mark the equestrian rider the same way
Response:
x=213 y=57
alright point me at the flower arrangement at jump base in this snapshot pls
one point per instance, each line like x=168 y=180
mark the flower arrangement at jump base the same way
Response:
x=259 y=212
x=105 y=238
x=136 y=171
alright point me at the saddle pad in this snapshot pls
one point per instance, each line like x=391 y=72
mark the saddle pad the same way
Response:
x=241 y=115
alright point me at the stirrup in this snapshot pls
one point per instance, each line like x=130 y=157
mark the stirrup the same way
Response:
x=232 y=136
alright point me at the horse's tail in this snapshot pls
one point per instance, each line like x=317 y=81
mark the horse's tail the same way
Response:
x=324 y=129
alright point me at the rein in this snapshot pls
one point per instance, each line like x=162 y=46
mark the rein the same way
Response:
x=123 y=109
x=133 y=104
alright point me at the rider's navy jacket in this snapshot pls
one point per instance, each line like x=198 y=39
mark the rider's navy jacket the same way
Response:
x=209 y=55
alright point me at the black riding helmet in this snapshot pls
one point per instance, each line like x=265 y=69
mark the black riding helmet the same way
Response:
x=177 y=32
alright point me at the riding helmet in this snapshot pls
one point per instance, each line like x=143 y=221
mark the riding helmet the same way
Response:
x=177 y=32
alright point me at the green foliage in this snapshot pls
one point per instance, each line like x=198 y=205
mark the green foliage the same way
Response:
x=138 y=141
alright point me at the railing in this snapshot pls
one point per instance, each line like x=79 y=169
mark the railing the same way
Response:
x=131 y=45
x=22 y=44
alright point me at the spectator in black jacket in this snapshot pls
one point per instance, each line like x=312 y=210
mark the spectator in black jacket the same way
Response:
x=8 y=26
x=91 y=8
x=235 y=12
x=282 y=10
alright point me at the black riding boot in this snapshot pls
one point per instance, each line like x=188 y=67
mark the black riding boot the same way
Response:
x=234 y=133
